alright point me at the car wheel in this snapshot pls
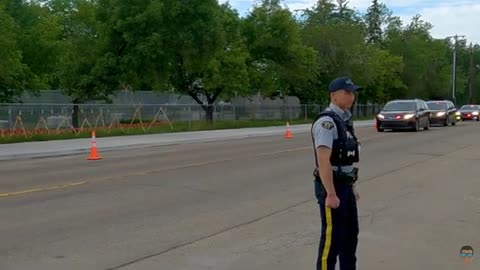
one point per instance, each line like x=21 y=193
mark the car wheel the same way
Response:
x=380 y=129
x=417 y=126
x=454 y=122
x=447 y=121
x=427 y=127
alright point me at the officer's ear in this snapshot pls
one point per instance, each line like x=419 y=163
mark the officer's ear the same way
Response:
x=332 y=95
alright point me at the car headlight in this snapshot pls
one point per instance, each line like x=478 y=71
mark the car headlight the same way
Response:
x=440 y=113
x=408 y=116
x=381 y=116
x=475 y=113
x=457 y=113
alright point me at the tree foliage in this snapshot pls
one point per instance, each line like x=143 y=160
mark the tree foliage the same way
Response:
x=90 y=48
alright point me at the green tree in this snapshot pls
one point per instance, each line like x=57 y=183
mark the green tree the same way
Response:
x=340 y=52
x=90 y=48
x=382 y=76
x=279 y=63
x=86 y=72
x=39 y=41
x=474 y=74
x=426 y=72
x=376 y=16
x=462 y=69
x=35 y=34
x=13 y=73
x=206 y=53
x=133 y=38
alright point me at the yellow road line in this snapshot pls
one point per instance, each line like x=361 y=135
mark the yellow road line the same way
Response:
x=22 y=192
x=180 y=167
x=42 y=189
x=284 y=151
x=143 y=173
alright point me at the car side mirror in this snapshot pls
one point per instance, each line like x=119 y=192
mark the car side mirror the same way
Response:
x=421 y=109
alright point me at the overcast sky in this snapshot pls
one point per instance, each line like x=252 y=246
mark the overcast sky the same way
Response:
x=448 y=17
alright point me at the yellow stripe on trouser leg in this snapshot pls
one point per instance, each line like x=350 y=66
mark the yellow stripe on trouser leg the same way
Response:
x=328 y=237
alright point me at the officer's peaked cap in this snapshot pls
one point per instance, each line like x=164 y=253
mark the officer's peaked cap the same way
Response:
x=343 y=83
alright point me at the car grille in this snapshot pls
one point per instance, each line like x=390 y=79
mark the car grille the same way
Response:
x=393 y=117
x=395 y=124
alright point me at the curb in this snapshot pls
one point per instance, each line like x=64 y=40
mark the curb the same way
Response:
x=22 y=151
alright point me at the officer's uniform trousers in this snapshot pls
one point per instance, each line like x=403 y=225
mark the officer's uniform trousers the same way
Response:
x=339 y=233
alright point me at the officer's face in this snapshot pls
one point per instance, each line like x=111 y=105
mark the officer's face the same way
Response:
x=343 y=98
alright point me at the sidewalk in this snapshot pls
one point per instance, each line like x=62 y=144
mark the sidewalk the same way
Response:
x=76 y=146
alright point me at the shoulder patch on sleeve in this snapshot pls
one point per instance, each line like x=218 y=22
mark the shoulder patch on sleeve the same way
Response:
x=328 y=124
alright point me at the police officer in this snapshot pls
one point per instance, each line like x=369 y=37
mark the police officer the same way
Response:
x=336 y=151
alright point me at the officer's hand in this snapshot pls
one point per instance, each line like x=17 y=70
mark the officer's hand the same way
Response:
x=332 y=201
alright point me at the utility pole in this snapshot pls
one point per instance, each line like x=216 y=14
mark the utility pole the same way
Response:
x=454 y=68
x=471 y=77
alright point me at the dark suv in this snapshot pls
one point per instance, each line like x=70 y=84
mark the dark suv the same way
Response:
x=411 y=114
x=442 y=112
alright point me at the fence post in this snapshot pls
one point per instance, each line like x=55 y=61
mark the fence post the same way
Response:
x=10 y=117
x=214 y=119
x=234 y=112
x=191 y=116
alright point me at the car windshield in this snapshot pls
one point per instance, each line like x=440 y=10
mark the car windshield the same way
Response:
x=400 y=106
x=437 y=105
x=469 y=107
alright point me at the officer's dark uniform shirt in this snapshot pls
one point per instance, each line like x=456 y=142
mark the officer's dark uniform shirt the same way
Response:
x=325 y=131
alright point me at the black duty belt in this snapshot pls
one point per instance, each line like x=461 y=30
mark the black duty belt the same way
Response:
x=348 y=178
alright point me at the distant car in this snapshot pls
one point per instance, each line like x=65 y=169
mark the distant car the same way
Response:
x=442 y=112
x=468 y=112
x=404 y=114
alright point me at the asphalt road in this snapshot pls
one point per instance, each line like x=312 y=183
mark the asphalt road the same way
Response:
x=241 y=204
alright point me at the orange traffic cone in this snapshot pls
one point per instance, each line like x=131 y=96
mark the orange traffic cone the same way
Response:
x=93 y=149
x=288 y=133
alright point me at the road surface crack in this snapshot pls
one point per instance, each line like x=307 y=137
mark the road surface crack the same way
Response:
x=208 y=236
x=412 y=164
x=387 y=204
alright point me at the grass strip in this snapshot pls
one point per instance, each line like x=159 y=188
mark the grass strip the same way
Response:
x=67 y=134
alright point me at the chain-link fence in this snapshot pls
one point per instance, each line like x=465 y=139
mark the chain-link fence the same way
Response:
x=61 y=116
